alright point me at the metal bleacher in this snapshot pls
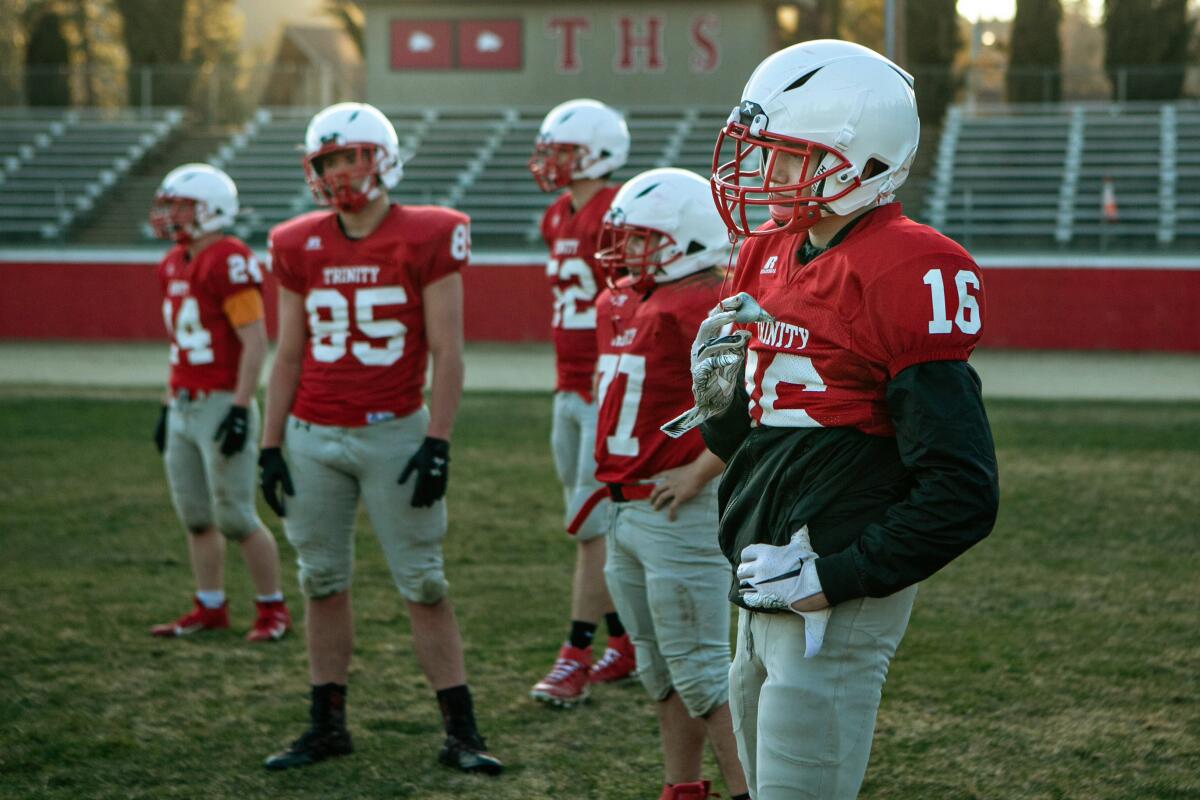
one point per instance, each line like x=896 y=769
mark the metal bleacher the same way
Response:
x=470 y=159
x=1187 y=176
x=56 y=164
x=1033 y=176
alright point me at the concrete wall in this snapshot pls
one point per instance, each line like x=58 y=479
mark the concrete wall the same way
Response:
x=537 y=54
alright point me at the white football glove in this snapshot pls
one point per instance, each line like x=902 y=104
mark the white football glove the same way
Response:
x=717 y=358
x=772 y=577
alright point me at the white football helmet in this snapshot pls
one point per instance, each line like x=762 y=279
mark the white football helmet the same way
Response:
x=578 y=139
x=363 y=130
x=661 y=226
x=844 y=115
x=194 y=199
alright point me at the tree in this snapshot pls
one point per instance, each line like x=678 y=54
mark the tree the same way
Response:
x=1146 y=47
x=862 y=22
x=212 y=34
x=814 y=19
x=190 y=48
x=154 y=39
x=1035 y=53
x=47 y=58
x=931 y=41
x=349 y=17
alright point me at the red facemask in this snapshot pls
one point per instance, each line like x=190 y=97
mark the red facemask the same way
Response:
x=173 y=218
x=346 y=187
x=626 y=269
x=553 y=165
x=748 y=180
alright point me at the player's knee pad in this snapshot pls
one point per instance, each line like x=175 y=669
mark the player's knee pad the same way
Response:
x=427 y=586
x=702 y=684
x=196 y=517
x=655 y=679
x=237 y=523
x=318 y=582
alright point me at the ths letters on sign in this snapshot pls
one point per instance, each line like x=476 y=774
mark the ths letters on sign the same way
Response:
x=568 y=30
x=640 y=47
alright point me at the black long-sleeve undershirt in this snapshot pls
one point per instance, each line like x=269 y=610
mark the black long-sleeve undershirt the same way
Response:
x=883 y=513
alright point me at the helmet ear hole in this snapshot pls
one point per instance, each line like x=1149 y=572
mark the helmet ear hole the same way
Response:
x=873 y=167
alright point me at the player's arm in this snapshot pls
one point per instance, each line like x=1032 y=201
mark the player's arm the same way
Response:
x=232 y=430
x=246 y=314
x=443 y=303
x=281 y=392
x=285 y=372
x=945 y=443
x=253 y=336
x=674 y=487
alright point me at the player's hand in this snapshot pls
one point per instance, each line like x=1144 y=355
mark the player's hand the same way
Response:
x=160 y=430
x=782 y=577
x=674 y=487
x=717 y=359
x=431 y=463
x=741 y=308
x=272 y=476
x=231 y=433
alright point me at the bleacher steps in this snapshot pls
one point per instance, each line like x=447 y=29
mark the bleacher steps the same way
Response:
x=121 y=217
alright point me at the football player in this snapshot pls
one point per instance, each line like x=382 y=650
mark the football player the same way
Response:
x=578 y=147
x=369 y=292
x=661 y=243
x=860 y=459
x=208 y=426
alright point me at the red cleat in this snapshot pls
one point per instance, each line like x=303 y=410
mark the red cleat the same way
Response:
x=196 y=620
x=567 y=682
x=271 y=622
x=618 y=662
x=692 y=790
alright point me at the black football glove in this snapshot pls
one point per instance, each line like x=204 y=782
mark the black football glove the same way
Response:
x=272 y=473
x=160 y=430
x=431 y=462
x=231 y=433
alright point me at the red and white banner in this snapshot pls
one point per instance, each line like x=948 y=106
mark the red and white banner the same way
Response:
x=490 y=44
x=464 y=44
x=422 y=44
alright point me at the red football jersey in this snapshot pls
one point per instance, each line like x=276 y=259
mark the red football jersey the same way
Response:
x=893 y=293
x=367 y=350
x=575 y=279
x=205 y=348
x=645 y=376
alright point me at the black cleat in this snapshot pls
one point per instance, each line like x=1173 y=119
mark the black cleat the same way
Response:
x=313 y=746
x=469 y=755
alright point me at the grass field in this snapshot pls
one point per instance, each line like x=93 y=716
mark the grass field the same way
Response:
x=1058 y=659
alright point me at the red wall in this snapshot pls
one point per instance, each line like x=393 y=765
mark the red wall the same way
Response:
x=1045 y=307
x=1051 y=308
